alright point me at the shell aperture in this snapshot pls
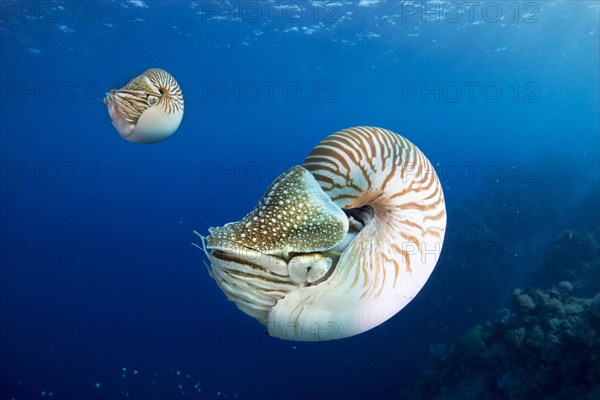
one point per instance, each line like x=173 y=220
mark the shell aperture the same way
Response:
x=148 y=109
x=384 y=218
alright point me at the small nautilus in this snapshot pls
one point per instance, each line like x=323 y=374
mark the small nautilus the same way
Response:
x=148 y=109
x=338 y=245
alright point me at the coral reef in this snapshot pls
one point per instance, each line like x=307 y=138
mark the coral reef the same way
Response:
x=549 y=347
x=537 y=228
x=528 y=233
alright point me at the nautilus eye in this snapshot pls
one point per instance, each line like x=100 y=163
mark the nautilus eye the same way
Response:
x=148 y=109
x=152 y=100
x=338 y=245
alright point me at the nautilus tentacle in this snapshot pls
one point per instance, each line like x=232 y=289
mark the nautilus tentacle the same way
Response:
x=341 y=244
x=148 y=109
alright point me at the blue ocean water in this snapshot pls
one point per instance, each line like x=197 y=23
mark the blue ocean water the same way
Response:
x=102 y=295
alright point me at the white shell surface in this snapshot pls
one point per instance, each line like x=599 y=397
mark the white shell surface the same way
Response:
x=155 y=125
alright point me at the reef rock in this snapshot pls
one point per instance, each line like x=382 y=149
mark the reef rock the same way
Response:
x=548 y=348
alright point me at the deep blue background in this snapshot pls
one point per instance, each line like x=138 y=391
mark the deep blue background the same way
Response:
x=98 y=273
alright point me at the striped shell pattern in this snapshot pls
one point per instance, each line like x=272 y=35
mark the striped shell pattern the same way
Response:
x=338 y=245
x=148 y=109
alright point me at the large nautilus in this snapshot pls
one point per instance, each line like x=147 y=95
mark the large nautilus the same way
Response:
x=338 y=245
x=148 y=109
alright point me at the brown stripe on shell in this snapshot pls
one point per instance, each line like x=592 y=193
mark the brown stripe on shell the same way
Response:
x=385 y=162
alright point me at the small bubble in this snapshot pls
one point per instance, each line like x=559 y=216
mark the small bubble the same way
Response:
x=97 y=384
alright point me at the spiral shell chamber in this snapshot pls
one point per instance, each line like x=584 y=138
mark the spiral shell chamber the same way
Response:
x=391 y=258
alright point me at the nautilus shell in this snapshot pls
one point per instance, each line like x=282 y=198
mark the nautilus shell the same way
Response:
x=148 y=109
x=338 y=245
